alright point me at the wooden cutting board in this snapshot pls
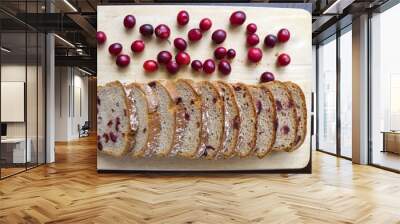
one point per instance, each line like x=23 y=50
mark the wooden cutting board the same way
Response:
x=268 y=20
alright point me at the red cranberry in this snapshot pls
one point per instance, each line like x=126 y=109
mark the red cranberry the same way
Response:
x=224 y=67
x=172 y=67
x=231 y=53
x=182 y=18
x=115 y=48
x=123 y=60
x=267 y=77
x=218 y=36
x=129 y=21
x=137 y=46
x=254 y=54
x=283 y=35
x=270 y=40
x=220 y=52
x=162 y=31
x=146 y=30
x=101 y=37
x=195 y=35
x=209 y=66
x=197 y=65
x=150 y=66
x=205 y=24
x=237 y=18
x=252 y=39
x=182 y=58
x=164 y=57
x=180 y=44
x=283 y=59
x=251 y=28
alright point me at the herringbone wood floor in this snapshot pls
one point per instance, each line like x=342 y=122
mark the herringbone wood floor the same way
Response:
x=71 y=191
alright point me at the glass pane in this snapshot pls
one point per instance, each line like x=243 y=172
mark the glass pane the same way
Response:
x=41 y=99
x=13 y=85
x=346 y=94
x=327 y=97
x=385 y=84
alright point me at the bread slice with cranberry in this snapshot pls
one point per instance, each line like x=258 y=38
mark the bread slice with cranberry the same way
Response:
x=232 y=119
x=248 y=126
x=143 y=122
x=286 y=122
x=114 y=130
x=266 y=116
x=188 y=119
x=212 y=129
x=301 y=110
x=165 y=93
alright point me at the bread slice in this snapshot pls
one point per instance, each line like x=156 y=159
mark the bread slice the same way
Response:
x=114 y=132
x=188 y=119
x=143 y=120
x=248 y=128
x=266 y=116
x=162 y=143
x=212 y=129
x=232 y=119
x=301 y=110
x=286 y=122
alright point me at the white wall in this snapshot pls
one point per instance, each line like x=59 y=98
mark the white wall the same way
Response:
x=70 y=109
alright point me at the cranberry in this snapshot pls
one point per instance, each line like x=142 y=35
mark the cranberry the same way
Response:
x=115 y=48
x=123 y=60
x=180 y=44
x=237 y=18
x=164 y=57
x=251 y=28
x=129 y=21
x=218 y=36
x=270 y=40
x=283 y=59
x=285 y=129
x=150 y=66
x=113 y=137
x=252 y=39
x=205 y=24
x=182 y=18
x=283 y=35
x=162 y=31
x=196 y=65
x=101 y=37
x=224 y=67
x=267 y=77
x=182 y=58
x=209 y=66
x=195 y=35
x=220 y=52
x=254 y=54
x=231 y=53
x=146 y=30
x=137 y=46
x=172 y=67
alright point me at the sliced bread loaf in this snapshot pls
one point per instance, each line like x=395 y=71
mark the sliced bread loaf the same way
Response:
x=301 y=110
x=286 y=122
x=161 y=144
x=188 y=119
x=232 y=119
x=248 y=128
x=266 y=116
x=212 y=129
x=114 y=130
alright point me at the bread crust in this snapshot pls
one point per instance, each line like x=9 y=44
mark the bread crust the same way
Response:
x=301 y=134
x=239 y=152
x=129 y=135
x=293 y=119
x=230 y=152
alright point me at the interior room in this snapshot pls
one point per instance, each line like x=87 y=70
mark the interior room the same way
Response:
x=93 y=130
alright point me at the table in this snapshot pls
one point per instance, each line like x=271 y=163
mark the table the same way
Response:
x=15 y=148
